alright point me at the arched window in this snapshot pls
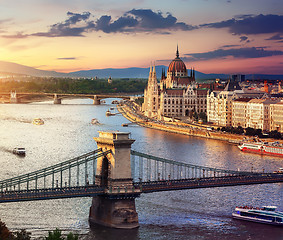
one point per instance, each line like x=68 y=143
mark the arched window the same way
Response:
x=173 y=101
x=168 y=101
x=165 y=101
x=181 y=101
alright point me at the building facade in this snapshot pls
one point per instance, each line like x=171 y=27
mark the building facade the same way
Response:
x=276 y=116
x=220 y=103
x=177 y=94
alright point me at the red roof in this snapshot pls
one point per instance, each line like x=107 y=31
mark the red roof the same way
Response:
x=177 y=65
x=177 y=92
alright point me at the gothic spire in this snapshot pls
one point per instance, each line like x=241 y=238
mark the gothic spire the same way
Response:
x=177 y=52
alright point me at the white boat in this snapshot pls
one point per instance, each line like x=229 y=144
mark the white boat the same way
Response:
x=266 y=214
x=19 y=151
x=264 y=148
x=38 y=121
x=108 y=113
x=94 y=121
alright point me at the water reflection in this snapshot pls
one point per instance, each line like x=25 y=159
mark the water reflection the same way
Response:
x=187 y=214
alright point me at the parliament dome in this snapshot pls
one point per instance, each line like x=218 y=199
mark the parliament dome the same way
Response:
x=177 y=65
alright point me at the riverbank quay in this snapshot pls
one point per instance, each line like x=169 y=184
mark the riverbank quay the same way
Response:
x=132 y=114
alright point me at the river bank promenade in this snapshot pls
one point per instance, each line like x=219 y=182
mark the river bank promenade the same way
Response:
x=129 y=111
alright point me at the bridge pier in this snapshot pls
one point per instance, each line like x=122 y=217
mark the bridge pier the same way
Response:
x=57 y=100
x=13 y=97
x=96 y=101
x=116 y=208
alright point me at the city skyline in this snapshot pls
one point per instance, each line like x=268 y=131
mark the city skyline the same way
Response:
x=214 y=36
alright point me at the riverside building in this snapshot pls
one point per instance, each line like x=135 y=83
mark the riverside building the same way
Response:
x=177 y=94
x=219 y=103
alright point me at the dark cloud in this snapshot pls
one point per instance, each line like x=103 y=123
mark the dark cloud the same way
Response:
x=136 y=20
x=250 y=24
x=243 y=39
x=69 y=27
x=122 y=24
x=149 y=20
x=253 y=52
x=67 y=58
x=229 y=46
x=275 y=37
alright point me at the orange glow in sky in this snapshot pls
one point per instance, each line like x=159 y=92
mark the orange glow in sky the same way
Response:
x=215 y=36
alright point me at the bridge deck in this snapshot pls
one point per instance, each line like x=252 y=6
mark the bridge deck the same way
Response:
x=225 y=181
x=142 y=187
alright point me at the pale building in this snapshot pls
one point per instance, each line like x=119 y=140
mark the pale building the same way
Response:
x=257 y=114
x=177 y=94
x=254 y=113
x=276 y=116
x=239 y=112
x=151 y=95
x=219 y=103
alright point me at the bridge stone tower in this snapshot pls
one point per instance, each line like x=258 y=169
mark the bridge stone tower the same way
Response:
x=13 y=97
x=116 y=208
x=96 y=100
x=56 y=99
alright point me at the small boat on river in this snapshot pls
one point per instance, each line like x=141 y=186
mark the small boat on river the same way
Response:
x=266 y=214
x=108 y=113
x=19 y=151
x=94 y=121
x=38 y=121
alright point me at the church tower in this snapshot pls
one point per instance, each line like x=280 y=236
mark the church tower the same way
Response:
x=151 y=99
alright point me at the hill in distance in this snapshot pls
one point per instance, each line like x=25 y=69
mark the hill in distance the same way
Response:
x=133 y=72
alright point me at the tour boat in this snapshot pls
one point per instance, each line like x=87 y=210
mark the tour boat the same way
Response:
x=266 y=214
x=94 y=121
x=108 y=113
x=38 y=121
x=264 y=148
x=19 y=151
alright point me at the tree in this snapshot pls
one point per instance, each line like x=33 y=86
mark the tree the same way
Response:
x=4 y=232
x=55 y=235
x=250 y=131
x=22 y=235
x=71 y=236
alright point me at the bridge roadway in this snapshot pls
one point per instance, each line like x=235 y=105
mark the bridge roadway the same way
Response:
x=138 y=188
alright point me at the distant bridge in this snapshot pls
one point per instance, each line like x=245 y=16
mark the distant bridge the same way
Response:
x=16 y=97
x=114 y=175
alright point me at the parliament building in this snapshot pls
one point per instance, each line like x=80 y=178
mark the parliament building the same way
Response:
x=176 y=95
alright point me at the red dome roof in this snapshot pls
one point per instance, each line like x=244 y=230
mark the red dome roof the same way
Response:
x=177 y=65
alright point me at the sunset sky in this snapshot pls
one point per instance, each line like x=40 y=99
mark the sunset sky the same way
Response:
x=214 y=36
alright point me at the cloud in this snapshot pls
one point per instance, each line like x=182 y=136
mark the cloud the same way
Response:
x=229 y=46
x=122 y=24
x=251 y=24
x=244 y=39
x=69 y=27
x=253 y=52
x=149 y=20
x=275 y=37
x=67 y=58
x=136 y=20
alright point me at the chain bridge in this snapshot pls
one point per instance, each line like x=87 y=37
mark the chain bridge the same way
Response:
x=114 y=175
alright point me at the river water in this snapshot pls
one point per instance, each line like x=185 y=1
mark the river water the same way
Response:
x=180 y=215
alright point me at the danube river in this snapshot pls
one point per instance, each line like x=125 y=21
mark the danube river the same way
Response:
x=187 y=214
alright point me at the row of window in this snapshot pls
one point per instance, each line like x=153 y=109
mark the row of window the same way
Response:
x=190 y=101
